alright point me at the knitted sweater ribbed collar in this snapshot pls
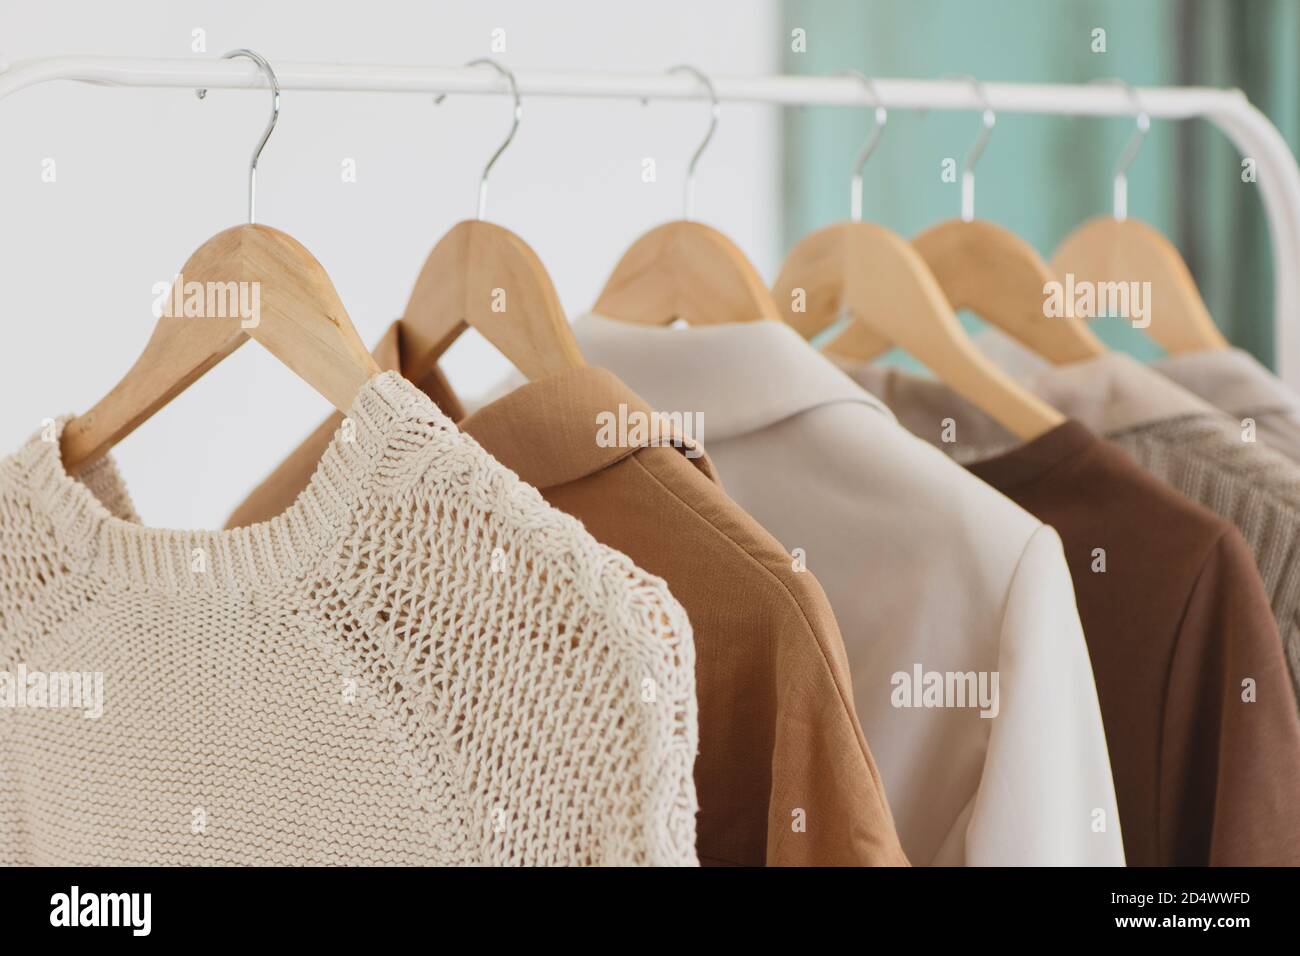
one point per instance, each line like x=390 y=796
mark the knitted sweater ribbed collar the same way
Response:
x=95 y=523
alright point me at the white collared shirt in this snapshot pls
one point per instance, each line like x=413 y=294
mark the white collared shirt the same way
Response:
x=929 y=571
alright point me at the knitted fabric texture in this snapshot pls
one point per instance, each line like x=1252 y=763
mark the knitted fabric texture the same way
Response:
x=419 y=662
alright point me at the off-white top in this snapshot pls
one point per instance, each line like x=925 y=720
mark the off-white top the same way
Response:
x=932 y=575
x=1231 y=380
x=1235 y=382
x=419 y=661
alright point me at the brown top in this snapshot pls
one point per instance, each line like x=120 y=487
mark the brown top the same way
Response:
x=784 y=775
x=1207 y=767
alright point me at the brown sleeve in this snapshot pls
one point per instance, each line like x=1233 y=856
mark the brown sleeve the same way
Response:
x=1231 y=737
x=827 y=806
x=784 y=773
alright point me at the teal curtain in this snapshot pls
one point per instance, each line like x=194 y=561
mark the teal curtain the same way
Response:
x=1253 y=45
x=1041 y=175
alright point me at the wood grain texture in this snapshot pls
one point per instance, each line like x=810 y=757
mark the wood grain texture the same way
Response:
x=685 y=270
x=474 y=270
x=995 y=274
x=879 y=279
x=1106 y=249
x=301 y=321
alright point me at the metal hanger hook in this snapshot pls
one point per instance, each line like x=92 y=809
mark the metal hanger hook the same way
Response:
x=1143 y=125
x=517 y=114
x=265 y=67
x=713 y=126
x=879 y=117
x=988 y=119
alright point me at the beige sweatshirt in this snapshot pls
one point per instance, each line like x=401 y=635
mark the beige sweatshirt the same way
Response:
x=419 y=661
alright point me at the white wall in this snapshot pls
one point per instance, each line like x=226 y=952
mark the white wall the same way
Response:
x=145 y=176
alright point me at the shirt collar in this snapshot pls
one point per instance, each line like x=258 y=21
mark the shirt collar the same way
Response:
x=932 y=411
x=574 y=424
x=559 y=429
x=1110 y=393
x=1229 y=379
x=1105 y=395
x=740 y=376
x=1114 y=392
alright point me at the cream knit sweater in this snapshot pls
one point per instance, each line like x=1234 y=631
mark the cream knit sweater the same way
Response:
x=419 y=662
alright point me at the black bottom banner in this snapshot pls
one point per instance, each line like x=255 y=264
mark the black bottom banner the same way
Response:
x=340 y=906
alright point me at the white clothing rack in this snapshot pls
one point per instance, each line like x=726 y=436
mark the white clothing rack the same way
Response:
x=1245 y=126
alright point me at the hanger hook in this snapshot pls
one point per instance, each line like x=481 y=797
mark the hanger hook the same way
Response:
x=1131 y=150
x=265 y=67
x=713 y=126
x=517 y=114
x=879 y=117
x=988 y=119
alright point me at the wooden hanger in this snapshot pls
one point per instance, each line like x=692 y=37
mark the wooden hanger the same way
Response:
x=485 y=276
x=994 y=273
x=1106 y=249
x=685 y=269
x=1112 y=249
x=881 y=282
x=298 y=318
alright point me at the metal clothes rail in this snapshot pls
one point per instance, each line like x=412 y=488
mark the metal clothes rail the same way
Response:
x=1246 y=127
